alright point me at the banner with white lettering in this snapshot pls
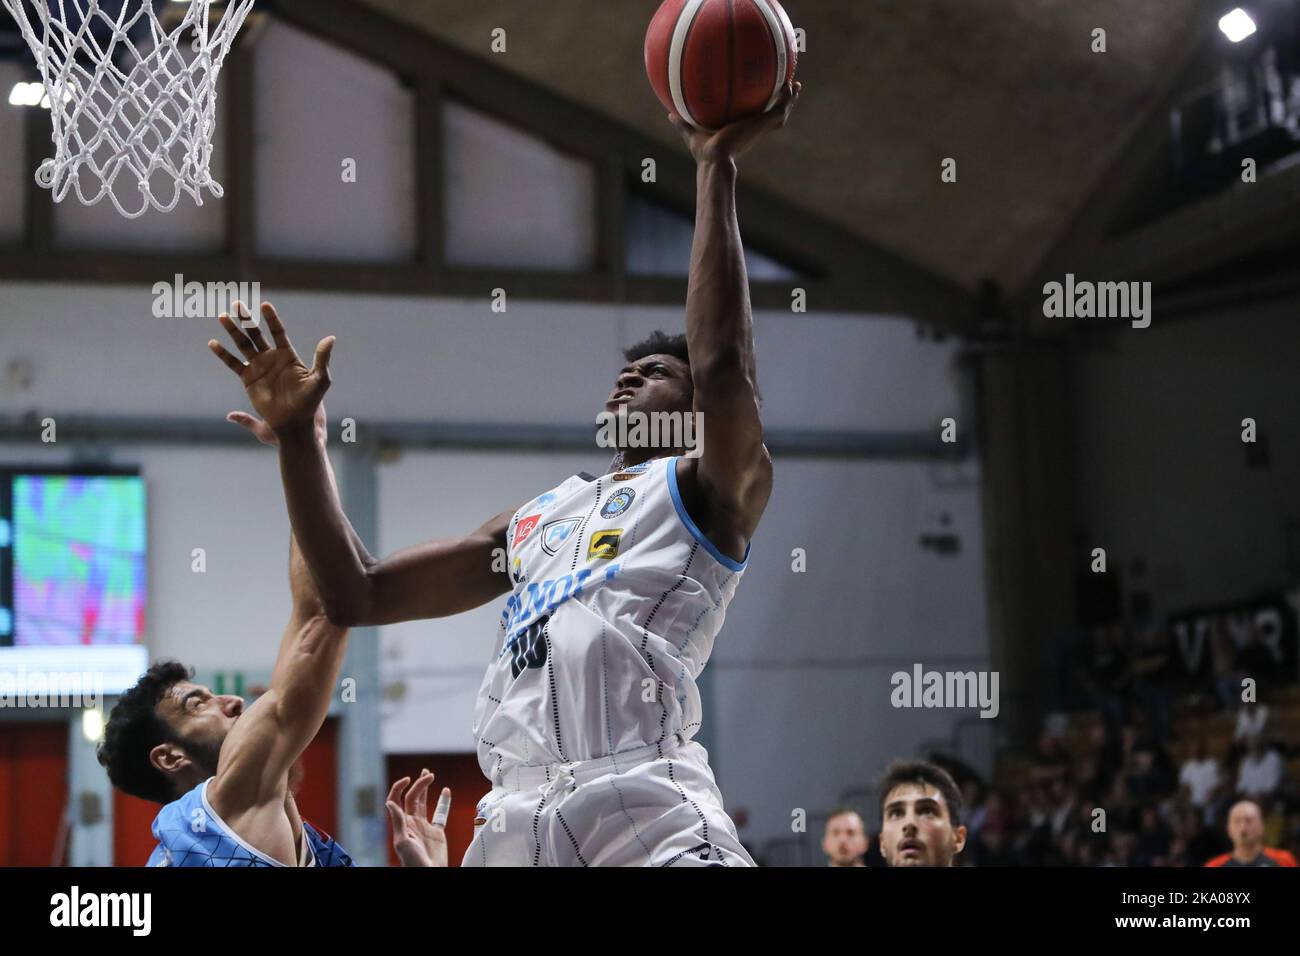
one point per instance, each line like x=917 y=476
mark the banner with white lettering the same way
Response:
x=1256 y=638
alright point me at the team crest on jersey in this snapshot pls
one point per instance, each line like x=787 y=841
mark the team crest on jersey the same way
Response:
x=604 y=544
x=555 y=533
x=618 y=503
x=524 y=528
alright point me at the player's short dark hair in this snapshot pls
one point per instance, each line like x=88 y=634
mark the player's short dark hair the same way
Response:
x=659 y=343
x=134 y=729
x=921 y=772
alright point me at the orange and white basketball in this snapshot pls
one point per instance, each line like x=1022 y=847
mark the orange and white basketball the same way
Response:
x=717 y=61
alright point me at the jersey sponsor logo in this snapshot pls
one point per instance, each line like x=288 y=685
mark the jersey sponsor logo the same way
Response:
x=546 y=499
x=543 y=597
x=525 y=527
x=631 y=471
x=604 y=544
x=555 y=533
x=517 y=571
x=618 y=503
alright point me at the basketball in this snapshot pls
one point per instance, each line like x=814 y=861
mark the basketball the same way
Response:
x=717 y=61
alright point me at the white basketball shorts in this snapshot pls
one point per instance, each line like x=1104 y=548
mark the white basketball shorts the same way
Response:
x=636 y=808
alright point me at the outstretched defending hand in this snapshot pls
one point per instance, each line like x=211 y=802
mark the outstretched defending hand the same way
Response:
x=735 y=139
x=282 y=389
x=418 y=840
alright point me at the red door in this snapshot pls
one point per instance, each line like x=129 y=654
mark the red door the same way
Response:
x=318 y=794
x=132 y=837
x=33 y=793
x=468 y=786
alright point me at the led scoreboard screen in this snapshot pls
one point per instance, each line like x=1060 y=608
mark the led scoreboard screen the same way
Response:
x=72 y=578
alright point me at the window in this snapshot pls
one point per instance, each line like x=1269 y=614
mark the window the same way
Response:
x=514 y=200
x=320 y=112
x=659 y=243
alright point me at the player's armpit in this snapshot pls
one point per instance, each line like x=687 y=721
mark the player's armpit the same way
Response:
x=440 y=578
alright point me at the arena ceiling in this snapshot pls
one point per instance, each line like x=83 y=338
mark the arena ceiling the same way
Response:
x=1010 y=88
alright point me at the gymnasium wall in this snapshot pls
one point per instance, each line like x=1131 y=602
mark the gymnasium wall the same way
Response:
x=805 y=657
x=1157 y=419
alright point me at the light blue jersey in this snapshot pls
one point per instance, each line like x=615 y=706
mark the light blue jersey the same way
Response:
x=190 y=833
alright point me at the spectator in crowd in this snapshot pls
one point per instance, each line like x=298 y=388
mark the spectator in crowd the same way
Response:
x=1274 y=821
x=1154 y=839
x=1111 y=744
x=1150 y=770
x=1184 y=824
x=1153 y=678
x=1260 y=772
x=1049 y=760
x=1120 y=850
x=1121 y=810
x=1105 y=678
x=1246 y=830
x=1255 y=659
x=845 y=841
x=1206 y=839
x=1086 y=853
x=1223 y=658
x=1200 y=776
x=1252 y=719
x=997 y=820
x=1156 y=812
x=972 y=794
x=1064 y=800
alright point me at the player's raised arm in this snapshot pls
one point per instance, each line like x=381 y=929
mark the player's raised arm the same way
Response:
x=252 y=778
x=735 y=471
x=433 y=580
x=253 y=771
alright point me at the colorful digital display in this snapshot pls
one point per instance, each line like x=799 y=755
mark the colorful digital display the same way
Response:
x=77 y=560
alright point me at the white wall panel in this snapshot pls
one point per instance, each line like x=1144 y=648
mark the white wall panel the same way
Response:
x=317 y=105
x=101 y=350
x=513 y=199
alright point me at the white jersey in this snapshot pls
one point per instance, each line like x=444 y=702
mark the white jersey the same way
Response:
x=618 y=597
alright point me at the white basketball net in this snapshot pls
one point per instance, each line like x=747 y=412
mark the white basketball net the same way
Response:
x=124 y=109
